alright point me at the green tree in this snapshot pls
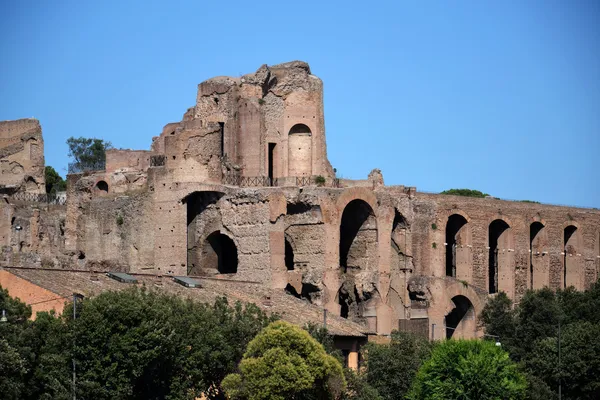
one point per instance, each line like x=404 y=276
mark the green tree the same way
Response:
x=88 y=154
x=468 y=369
x=285 y=362
x=392 y=367
x=137 y=344
x=54 y=182
x=465 y=192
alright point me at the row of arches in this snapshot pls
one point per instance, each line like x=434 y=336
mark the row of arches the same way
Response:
x=501 y=254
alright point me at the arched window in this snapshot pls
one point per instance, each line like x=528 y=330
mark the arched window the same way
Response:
x=300 y=151
x=500 y=261
x=538 y=260
x=571 y=273
x=457 y=252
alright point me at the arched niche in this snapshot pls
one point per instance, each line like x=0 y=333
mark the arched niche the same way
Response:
x=300 y=151
x=358 y=237
x=102 y=187
x=218 y=255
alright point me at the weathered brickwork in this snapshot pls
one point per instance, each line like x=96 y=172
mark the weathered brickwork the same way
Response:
x=241 y=191
x=21 y=156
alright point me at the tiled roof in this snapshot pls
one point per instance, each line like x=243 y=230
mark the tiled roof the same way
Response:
x=289 y=308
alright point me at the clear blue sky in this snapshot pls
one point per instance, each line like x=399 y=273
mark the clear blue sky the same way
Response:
x=503 y=97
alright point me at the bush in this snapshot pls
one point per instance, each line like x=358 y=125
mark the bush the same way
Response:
x=320 y=180
x=468 y=369
x=465 y=192
x=285 y=362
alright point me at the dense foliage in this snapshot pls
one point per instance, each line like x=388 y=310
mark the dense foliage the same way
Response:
x=465 y=192
x=88 y=154
x=54 y=182
x=285 y=362
x=392 y=367
x=133 y=344
x=530 y=331
x=468 y=369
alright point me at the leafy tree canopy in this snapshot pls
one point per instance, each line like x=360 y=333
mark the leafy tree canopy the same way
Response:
x=529 y=332
x=54 y=182
x=392 y=367
x=88 y=154
x=465 y=192
x=468 y=369
x=285 y=362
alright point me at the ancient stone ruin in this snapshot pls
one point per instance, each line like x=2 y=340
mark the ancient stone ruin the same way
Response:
x=240 y=195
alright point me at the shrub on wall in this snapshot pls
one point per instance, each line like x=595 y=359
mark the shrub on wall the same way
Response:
x=465 y=192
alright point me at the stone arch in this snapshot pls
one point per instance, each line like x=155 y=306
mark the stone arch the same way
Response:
x=458 y=246
x=539 y=265
x=218 y=252
x=460 y=321
x=300 y=151
x=501 y=267
x=467 y=325
x=572 y=247
x=101 y=187
x=197 y=203
x=358 y=237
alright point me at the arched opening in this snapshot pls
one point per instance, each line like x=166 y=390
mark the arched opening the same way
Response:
x=537 y=256
x=102 y=187
x=300 y=151
x=358 y=236
x=222 y=251
x=456 y=242
x=202 y=217
x=571 y=260
x=499 y=260
x=460 y=322
x=289 y=256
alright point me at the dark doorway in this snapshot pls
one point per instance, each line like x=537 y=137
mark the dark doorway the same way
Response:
x=455 y=223
x=222 y=125
x=271 y=153
x=226 y=252
x=289 y=256
x=462 y=306
x=496 y=229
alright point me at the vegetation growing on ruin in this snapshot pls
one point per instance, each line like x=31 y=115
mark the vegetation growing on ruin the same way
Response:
x=465 y=192
x=320 y=180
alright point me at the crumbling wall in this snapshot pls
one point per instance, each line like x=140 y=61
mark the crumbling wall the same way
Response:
x=21 y=156
x=127 y=160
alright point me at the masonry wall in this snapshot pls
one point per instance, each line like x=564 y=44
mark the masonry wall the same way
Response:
x=22 y=156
